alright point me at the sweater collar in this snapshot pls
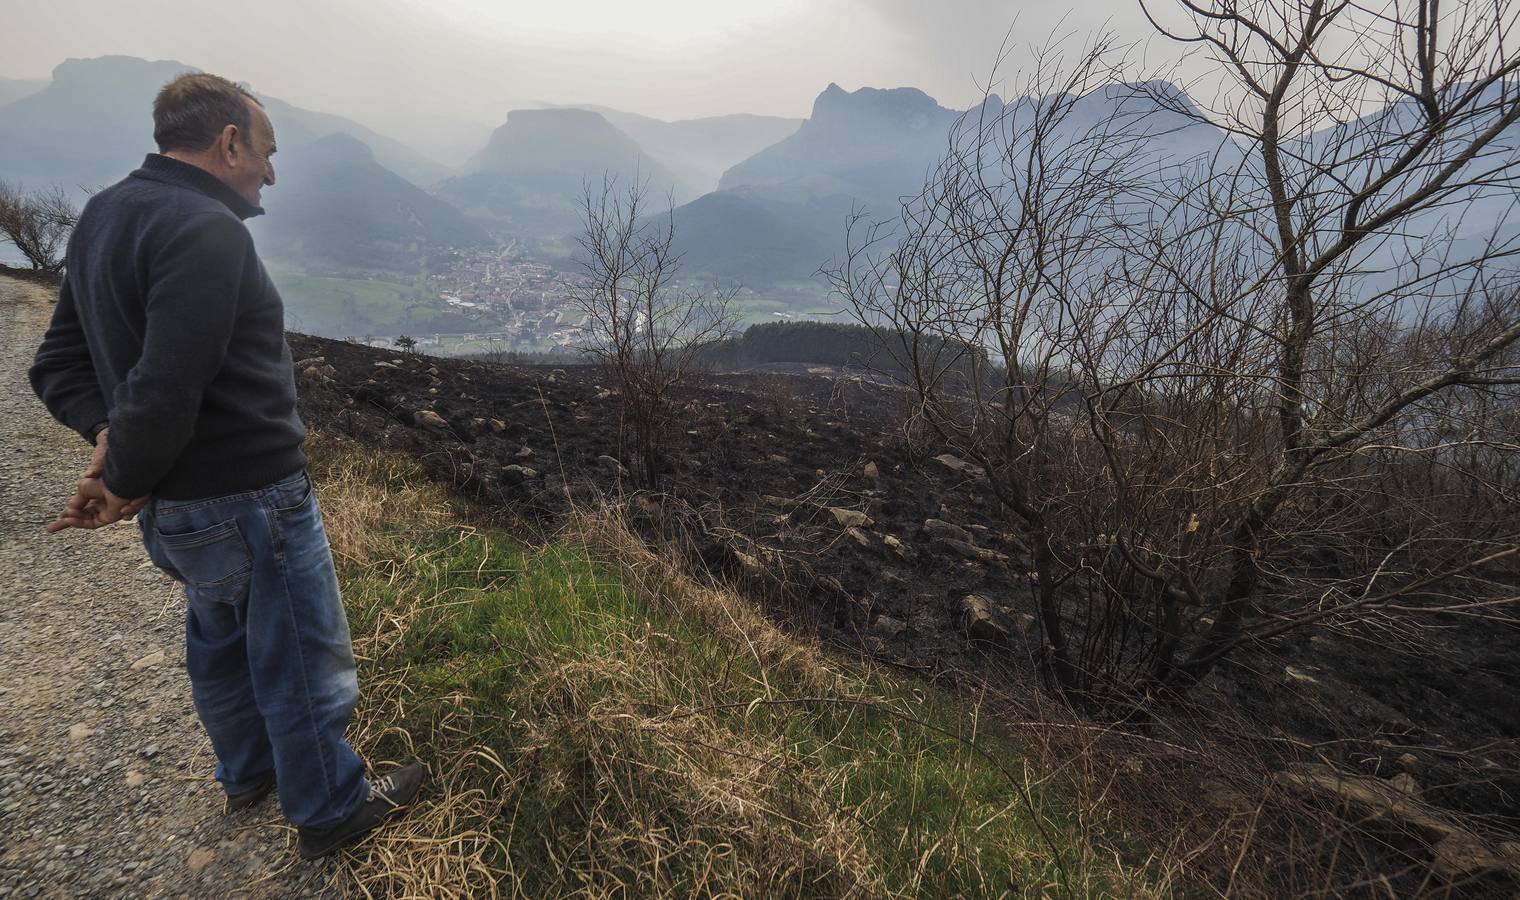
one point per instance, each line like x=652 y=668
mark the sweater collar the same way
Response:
x=157 y=167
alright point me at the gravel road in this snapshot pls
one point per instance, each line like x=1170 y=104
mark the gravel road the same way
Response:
x=105 y=774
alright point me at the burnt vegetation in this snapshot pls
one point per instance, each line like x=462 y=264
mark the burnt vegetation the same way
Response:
x=1218 y=452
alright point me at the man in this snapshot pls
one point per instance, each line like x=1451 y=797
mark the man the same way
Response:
x=167 y=350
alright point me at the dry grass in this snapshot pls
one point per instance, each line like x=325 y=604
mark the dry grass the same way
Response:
x=598 y=725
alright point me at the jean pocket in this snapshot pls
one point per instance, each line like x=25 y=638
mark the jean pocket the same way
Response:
x=293 y=496
x=213 y=562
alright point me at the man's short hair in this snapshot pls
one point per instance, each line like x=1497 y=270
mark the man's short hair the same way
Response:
x=190 y=111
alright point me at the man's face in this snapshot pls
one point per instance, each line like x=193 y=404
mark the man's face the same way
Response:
x=250 y=165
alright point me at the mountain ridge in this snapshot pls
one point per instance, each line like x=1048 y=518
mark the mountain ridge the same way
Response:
x=92 y=124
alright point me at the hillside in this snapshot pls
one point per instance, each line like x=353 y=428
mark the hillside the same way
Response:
x=529 y=177
x=869 y=142
x=799 y=490
x=13 y=89
x=594 y=717
x=337 y=206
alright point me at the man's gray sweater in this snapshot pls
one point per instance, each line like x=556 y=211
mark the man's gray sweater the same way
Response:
x=169 y=330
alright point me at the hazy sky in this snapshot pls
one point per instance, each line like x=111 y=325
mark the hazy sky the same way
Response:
x=391 y=61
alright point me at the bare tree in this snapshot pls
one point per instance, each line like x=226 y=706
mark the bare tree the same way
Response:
x=1242 y=393
x=38 y=224
x=1374 y=136
x=641 y=322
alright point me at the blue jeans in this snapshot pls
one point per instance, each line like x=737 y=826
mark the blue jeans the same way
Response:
x=266 y=643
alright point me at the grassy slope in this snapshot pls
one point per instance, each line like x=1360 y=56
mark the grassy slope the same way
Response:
x=597 y=725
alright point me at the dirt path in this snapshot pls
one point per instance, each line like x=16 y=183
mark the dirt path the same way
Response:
x=105 y=774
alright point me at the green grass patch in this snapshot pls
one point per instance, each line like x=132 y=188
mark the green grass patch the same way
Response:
x=355 y=307
x=597 y=725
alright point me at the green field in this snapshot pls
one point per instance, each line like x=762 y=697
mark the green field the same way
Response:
x=759 y=309
x=343 y=307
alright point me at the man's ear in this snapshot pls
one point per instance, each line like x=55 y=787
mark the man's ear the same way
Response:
x=227 y=143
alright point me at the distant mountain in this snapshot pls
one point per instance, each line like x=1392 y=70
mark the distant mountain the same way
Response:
x=747 y=236
x=529 y=178
x=93 y=123
x=866 y=150
x=869 y=142
x=334 y=204
x=700 y=150
x=780 y=214
x=13 y=89
x=296 y=126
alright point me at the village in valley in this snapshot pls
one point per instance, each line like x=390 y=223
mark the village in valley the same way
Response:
x=519 y=304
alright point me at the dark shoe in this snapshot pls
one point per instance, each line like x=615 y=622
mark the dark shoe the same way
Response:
x=250 y=797
x=386 y=795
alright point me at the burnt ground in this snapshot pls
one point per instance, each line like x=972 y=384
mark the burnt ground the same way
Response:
x=760 y=464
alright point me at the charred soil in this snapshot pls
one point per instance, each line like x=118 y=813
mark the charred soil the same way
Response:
x=804 y=491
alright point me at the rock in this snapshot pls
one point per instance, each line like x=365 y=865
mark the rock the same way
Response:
x=751 y=564
x=524 y=453
x=939 y=528
x=517 y=474
x=871 y=471
x=978 y=619
x=1407 y=761
x=1299 y=675
x=80 y=731
x=1406 y=785
x=888 y=627
x=858 y=536
x=150 y=751
x=148 y=661
x=1024 y=623
x=971 y=551
x=136 y=779
x=1463 y=855
x=851 y=518
x=311 y=361
x=382 y=364
x=956 y=464
x=498 y=426
x=1379 y=798
x=426 y=418
x=897 y=546
x=200 y=858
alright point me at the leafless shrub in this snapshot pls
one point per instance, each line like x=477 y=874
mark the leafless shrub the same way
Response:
x=642 y=323
x=1234 y=396
x=37 y=224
